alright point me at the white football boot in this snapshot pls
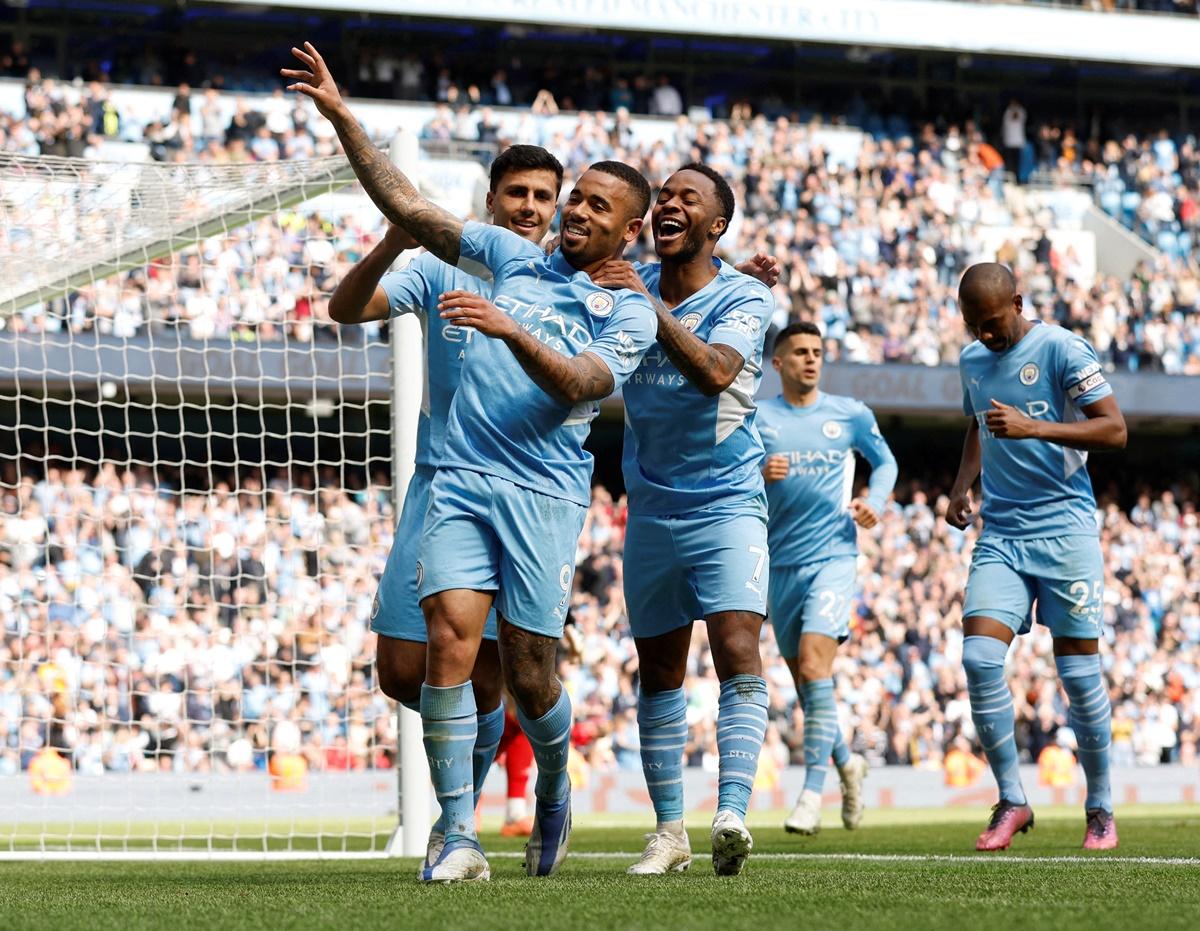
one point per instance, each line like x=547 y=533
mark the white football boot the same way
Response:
x=806 y=816
x=852 y=776
x=731 y=843
x=666 y=852
x=433 y=847
x=461 y=861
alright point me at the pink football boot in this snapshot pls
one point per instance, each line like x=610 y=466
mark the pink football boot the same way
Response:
x=1101 y=831
x=1007 y=819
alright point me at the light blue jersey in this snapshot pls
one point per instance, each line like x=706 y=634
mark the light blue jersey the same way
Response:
x=807 y=511
x=501 y=423
x=415 y=290
x=1032 y=488
x=686 y=452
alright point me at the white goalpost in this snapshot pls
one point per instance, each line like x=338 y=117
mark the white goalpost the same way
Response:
x=199 y=482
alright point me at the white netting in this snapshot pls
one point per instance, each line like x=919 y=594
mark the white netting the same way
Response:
x=195 y=502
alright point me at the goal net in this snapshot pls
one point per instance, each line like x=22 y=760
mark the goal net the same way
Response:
x=195 y=505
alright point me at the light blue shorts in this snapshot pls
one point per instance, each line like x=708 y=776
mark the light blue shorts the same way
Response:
x=1064 y=576
x=681 y=569
x=396 y=612
x=812 y=599
x=488 y=534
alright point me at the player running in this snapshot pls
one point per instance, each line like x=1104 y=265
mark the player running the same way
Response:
x=508 y=500
x=810 y=439
x=523 y=197
x=696 y=542
x=1037 y=399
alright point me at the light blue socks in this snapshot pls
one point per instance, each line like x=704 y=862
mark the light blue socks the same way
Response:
x=741 y=729
x=550 y=737
x=662 y=729
x=451 y=728
x=1089 y=713
x=992 y=711
x=822 y=736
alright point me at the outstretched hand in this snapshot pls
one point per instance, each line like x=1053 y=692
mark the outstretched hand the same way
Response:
x=317 y=82
x=1008 y=423
x=462 y=308
x=761 y=266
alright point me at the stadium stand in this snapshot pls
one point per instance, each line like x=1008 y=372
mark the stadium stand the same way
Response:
x=115 y=565
x=871 y=236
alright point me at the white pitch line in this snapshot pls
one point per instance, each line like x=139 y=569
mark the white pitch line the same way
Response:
x=217 y=856
x=900 y=858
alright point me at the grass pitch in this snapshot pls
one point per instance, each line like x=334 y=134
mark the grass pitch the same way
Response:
x=901 y=870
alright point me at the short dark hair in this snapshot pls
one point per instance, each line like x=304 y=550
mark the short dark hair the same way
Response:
x=631 y=176
x=524 y=158
x=800 y=328
x=724 y=191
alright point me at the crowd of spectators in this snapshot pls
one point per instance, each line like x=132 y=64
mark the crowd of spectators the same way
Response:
x=871 y=238
x=145 y=627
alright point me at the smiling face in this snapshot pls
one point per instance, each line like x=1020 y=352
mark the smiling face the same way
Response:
x=524 y=201
x=686 y=218
x=599 y=219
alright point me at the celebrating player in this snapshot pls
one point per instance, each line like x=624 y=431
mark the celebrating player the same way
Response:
x=696 y=542
x=1037 y=399
x=508 y=500
x=810 y=438
x=523 y=197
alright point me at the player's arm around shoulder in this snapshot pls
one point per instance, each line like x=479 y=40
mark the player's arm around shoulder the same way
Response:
x=710 y=367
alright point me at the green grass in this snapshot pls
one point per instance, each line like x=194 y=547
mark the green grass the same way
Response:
x=779 y=890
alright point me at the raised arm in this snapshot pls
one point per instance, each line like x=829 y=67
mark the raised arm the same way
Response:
x=358 y=298
x=436 y=229
x=711 y=368
x=569 y=380
x=960 y=510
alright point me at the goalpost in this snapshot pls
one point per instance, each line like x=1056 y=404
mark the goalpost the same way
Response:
x=199 y=481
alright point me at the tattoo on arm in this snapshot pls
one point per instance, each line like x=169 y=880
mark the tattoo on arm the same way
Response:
x=436 y=229
x=712 y=369
x=583 y=378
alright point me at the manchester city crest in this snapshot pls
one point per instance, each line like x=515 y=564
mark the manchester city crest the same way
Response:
x=832 y=429
x=600 y=303
x=1029 y=373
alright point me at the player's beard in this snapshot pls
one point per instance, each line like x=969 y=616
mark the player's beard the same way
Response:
x=693 y=244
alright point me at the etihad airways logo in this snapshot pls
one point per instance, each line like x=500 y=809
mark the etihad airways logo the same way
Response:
x=547 y=324
x=818 y=456
x=658 y=370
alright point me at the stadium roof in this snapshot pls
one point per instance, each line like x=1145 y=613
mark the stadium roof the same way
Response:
x=944 y=25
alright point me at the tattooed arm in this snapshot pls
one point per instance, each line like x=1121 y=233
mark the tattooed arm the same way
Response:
x=569 y=380
x=711 y=368
x=436 y=229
